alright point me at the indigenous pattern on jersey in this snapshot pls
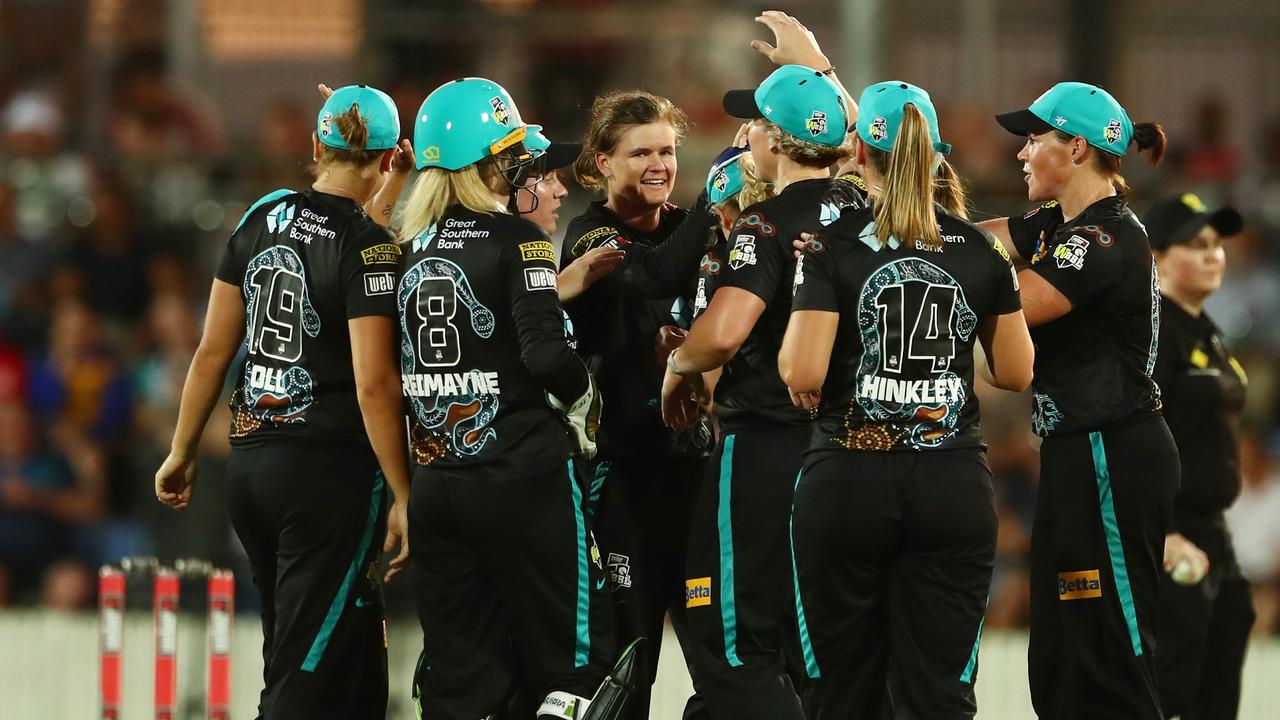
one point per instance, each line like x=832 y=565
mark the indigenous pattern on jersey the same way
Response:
x=1093 y=365
x=901 y=373
x=617 y=319
x=761 y=260
x=482 y=339
x=1203 y=389
x=305 y=263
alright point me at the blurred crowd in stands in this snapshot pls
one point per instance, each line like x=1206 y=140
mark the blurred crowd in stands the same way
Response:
x=109 y=232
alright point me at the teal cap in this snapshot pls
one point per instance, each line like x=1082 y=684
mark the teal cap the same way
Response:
x=1078 y=109
x=376 y=108
x=463 y=122
x=880 y=114
x=800 y=100
x=726 y=179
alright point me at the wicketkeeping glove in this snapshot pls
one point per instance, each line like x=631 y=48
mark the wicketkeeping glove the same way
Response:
x=583 y=417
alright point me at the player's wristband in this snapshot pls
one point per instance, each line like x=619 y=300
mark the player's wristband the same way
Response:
x=671 y=363
x=829 y=71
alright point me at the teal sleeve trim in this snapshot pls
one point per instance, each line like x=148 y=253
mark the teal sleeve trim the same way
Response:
x=806 y=644
x=724 y=522
x=1114 y=547
x=340 y=600
x=582 y=643
x=273 y=195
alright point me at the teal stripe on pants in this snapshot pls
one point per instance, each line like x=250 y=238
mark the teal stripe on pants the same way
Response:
x=1114 y=547
x=340 y=600
x=597 y=484
x=967 y=675
x=724 y=522
x=582 y=645
x=806 y=645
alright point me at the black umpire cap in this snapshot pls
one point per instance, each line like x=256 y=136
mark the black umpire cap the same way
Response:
x=1176 y=220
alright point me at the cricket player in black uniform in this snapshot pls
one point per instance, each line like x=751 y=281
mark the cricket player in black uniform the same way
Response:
x=641 y=487
x=894 y=524
x=507 y=579
x=738 y=573
x=307 y=282
x=1108 y=466
x=1206 y=607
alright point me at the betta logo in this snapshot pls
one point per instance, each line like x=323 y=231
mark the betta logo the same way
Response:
x=500 y=112
x=1112 y=132
x=431 y=154
x=817 y=123
x=697 y=592
x=879 y=128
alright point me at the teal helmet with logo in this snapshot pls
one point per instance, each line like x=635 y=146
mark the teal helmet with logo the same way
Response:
x=465 y=121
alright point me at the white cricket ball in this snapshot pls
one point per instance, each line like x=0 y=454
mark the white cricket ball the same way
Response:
x=1187 y=572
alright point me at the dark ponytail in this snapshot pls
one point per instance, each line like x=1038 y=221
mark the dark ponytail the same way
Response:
x=1149 y=137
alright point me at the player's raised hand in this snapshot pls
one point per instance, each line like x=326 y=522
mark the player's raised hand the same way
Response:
x=794 y=43
x=740 y=140
x=325 y=90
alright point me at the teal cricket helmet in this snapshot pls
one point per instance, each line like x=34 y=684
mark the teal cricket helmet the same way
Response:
x=800 y=100
x=463 y=122
x=880 y=114
x=726 y=179
x=377 y=109
x=1078 y=109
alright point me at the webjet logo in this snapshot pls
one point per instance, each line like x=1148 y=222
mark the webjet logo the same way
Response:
x=279 y=218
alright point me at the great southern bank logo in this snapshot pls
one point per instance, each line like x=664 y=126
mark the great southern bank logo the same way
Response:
x=279 y=218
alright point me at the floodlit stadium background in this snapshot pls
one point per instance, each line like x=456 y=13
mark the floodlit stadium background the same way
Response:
x=133 y=133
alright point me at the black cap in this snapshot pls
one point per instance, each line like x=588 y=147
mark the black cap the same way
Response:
x=742 y=104
x=1176 y=220
x=560 y=155
x=1023 y=122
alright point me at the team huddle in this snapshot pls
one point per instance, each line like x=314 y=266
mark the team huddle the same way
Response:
x=755 y=416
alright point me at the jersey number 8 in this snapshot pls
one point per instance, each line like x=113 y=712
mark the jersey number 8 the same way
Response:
x=437 y=335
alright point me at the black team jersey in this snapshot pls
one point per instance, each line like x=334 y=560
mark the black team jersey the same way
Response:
x=1203 y=390
x=482 y=342
x=305 y=263
x=901 y=372
x=760 y=259
x=616 y=322
x=1093 y=365
x=708 y=279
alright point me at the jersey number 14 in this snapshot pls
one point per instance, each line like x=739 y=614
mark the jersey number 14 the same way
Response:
x=930 y=308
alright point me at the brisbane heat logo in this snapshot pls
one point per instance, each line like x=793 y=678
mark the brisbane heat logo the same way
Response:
x=500 y=112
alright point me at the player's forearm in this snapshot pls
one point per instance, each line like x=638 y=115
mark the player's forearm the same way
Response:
x=381 y=206
x=704 y=353
x=668 y=269
x=382 y=410
x=199 y=394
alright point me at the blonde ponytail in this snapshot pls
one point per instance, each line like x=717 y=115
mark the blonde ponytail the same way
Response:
x=437 y=189
x=904 y=209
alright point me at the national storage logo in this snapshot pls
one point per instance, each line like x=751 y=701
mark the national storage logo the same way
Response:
x=697 y=592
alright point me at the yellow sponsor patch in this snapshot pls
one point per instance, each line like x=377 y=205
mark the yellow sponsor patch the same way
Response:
x=697 y=592
x=537 y=250
x=1200 y=358
x=855 y=180
x=380 y=254
x=1080 y=585
x=584 y=243
x=999 y=247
